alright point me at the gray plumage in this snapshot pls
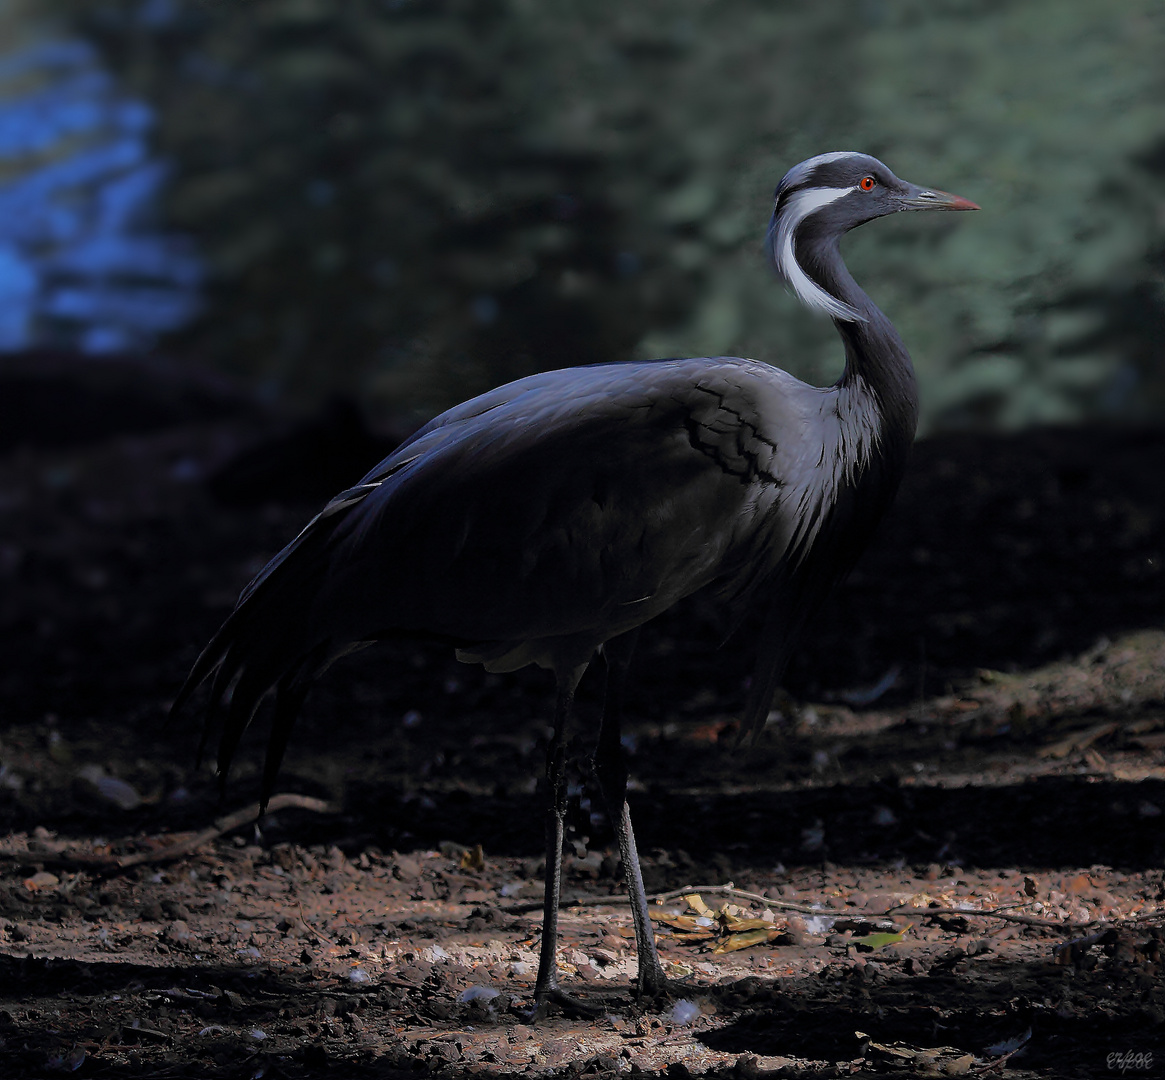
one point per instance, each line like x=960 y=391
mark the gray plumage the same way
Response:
x=539 y=521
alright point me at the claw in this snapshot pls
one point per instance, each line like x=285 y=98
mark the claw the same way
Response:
x=653 y=989
x=572 y=1006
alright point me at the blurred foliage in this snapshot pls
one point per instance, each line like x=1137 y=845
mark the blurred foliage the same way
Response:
x=416 y=200
x=1048 y=110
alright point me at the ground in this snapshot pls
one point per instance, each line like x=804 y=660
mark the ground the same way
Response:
x=948 y=838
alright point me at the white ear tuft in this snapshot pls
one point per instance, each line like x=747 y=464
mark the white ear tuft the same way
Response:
x=797 y=207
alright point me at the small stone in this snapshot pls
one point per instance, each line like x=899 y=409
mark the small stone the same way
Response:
x=682 y=1013
x=177 y=932
x=798 y=931
x=960 y=1066
x=478 y=993
x=406 y=868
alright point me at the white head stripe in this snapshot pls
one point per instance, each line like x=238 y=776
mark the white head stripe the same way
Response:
x=799 y=173
x=797 y=207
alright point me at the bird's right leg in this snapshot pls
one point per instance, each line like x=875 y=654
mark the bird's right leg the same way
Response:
x=611 y=770
x=546 y=988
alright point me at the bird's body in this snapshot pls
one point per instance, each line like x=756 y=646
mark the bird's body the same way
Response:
x=535 y=522
x=544 y=519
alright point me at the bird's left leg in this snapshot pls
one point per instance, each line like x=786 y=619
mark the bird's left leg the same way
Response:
x=546 y=988
x=611 y=770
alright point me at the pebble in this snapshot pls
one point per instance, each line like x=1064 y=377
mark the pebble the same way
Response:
x=683 y=1012
x=177 y=932
x=478 y=993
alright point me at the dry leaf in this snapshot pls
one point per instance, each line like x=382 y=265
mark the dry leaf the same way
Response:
x=746 y=940
x=737 y=926
x=473 y=858
x=696 y=902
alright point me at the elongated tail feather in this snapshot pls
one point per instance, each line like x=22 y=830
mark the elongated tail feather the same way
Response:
x=249 y=691
x=289 y=697
x=208 y=661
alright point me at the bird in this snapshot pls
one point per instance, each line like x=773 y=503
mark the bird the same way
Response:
x=545 y=521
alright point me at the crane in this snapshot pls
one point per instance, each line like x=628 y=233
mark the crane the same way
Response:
x=545 y=521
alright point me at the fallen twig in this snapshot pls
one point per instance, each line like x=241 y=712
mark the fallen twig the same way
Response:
x=105 y=864
x=985 y=913
x=740 y=894
x=322 y=938
x=663 y=898
x=1079 y=740
x=897 y=912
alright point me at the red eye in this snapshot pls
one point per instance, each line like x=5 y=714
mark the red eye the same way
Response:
x=866 y=183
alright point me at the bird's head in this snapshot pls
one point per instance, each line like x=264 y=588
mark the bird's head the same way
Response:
x=822 y=198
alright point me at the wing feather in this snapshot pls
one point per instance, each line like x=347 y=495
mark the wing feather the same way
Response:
x=535 y=521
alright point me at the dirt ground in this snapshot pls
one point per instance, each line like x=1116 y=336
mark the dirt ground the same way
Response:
x=944 y=857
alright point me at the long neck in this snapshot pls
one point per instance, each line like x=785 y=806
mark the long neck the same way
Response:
x=876 y=360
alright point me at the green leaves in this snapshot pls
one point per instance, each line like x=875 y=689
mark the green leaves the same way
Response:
x=873 y=942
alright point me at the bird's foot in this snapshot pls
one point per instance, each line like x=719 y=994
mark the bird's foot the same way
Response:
x=653 y=984
x=568 y=1003
x=654 y=987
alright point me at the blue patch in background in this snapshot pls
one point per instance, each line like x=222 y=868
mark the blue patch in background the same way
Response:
x=82 y=263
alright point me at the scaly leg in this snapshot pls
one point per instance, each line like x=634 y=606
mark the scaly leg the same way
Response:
x=611 y=769
x=546 y=988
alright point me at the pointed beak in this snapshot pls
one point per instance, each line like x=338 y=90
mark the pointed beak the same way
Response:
x=932 y=199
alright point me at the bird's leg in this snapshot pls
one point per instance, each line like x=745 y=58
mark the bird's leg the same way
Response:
x=546 y=988
x=611 y=770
